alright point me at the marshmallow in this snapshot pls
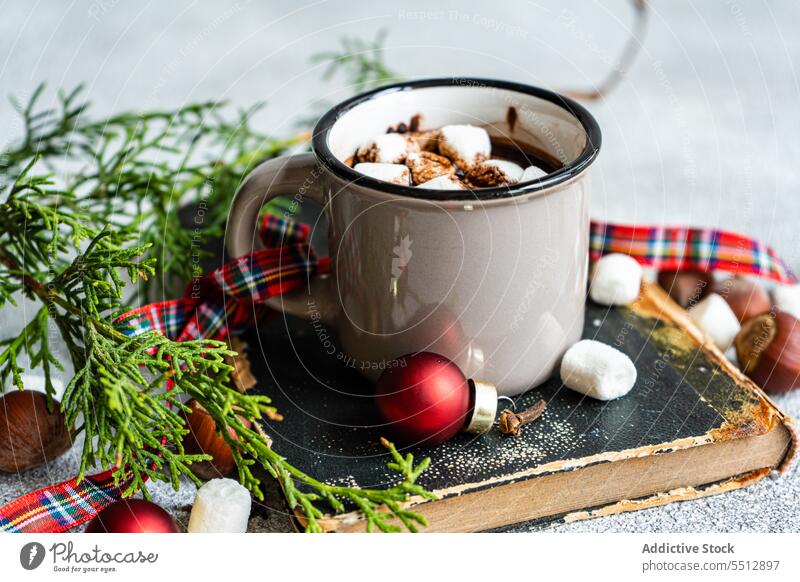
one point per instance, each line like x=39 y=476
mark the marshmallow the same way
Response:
x=494 y=173
x=511 y=170
x=597 y=370
x=394 y=173
x=221 y=506
x=443 y=183
x=426 y=166
x=465 y=145
x=389 y=148
x=716 y=318
x=787 y=298
x=532 y=173
x=616 y=279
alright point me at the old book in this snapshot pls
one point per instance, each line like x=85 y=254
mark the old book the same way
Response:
x=692 y=426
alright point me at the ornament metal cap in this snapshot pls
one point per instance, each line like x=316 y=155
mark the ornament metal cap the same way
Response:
x=484 y=409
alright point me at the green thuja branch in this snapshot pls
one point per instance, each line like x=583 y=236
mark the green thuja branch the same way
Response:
x=89 y=207
x=360 y=62
x=138 y=169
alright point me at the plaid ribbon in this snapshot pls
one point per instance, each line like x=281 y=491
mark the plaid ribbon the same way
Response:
x=60 y=507
x=230 y=299
x=673 y=248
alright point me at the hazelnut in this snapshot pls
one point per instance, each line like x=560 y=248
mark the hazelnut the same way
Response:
x=30 y=434
x=686 y=287
x=745 y=296
x=204 y=438
x=768 y=350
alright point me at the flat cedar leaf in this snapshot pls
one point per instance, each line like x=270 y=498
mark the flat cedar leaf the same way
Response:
x=67 y=239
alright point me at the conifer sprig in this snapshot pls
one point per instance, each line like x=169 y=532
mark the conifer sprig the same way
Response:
x=82 y=205
x=360 y=61
x=118 y=396
x=138 y=168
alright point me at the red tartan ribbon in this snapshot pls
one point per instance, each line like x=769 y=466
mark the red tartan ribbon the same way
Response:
x=60 y=507
x=230 y=299
x=672 y=248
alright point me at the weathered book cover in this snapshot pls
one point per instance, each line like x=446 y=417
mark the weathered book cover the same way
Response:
x=691 y=426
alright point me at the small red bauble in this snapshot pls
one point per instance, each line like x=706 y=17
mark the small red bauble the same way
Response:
x=132 y=516
x=425 y=399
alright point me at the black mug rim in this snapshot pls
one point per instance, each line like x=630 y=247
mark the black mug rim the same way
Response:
x=568 y=171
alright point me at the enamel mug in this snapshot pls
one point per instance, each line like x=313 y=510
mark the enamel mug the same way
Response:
x=493 y=279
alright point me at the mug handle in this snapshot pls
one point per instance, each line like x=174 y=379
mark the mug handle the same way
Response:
x=284 y=176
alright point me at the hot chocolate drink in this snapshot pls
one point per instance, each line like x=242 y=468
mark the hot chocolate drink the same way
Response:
x=452 y=157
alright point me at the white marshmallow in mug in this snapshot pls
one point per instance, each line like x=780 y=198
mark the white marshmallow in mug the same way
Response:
x=448 y=182
x=394 y=173
x=597 y=370
x=616 y=280
x=388 y=148
x=511 y=171
x=220 y=506
x=716 y=318
x=787 y=298
x=465 y=145
x=532 y=173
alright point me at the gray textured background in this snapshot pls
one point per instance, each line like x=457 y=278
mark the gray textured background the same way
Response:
x=703 y=130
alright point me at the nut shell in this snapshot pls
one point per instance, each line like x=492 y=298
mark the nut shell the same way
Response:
x=768 y=349
x=29 y=433
x=746 y=297
x=204 y=438
x=686 y=287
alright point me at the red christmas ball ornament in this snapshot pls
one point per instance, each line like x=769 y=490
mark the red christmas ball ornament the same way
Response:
x=425 y=399
x=132 y=516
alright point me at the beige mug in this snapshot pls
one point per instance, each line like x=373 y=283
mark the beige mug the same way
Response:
x=493 y=279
